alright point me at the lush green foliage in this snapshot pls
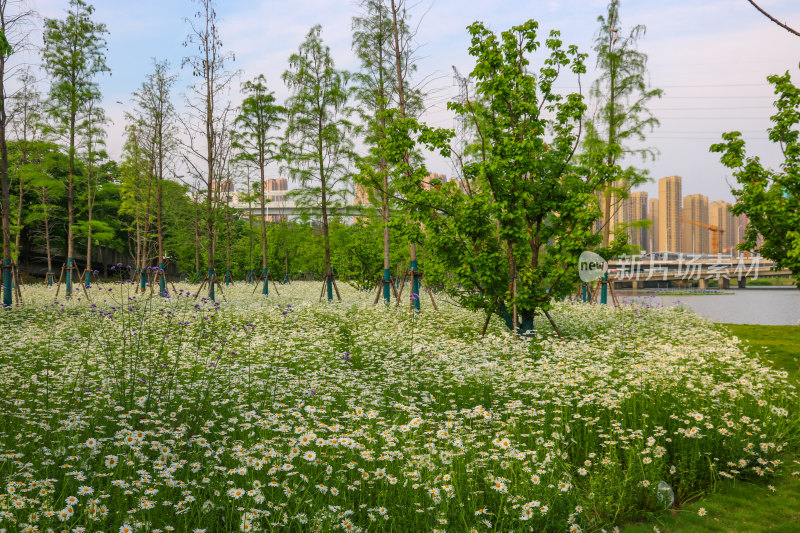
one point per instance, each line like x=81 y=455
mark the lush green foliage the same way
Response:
x=770 y=198
x=509 y=234
x=290 y=415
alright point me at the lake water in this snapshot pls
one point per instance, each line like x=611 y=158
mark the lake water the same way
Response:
x=772 y=306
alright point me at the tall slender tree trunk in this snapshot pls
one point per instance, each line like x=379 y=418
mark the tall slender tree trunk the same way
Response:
x=262 y=197
x=90 y=201
x=387 y=267
x=210 y=138
x=70 y=207
x=250 y=223
x=611 y=139
x=227 y=240
x=20 y=191
x=47 y=240
x=196 y=236
x=146 y=230
x=139 y=251
x=160 y=222
x=6 y=204
x=7 y=273
x=412 y=247
x=324 y=205
x=18 y=237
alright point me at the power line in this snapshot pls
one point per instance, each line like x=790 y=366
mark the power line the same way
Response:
x=711 y=108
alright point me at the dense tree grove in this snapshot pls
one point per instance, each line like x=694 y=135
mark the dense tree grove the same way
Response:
x=501 y=237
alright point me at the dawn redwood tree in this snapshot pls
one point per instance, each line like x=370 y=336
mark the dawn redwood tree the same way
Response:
x=372 y=39
x=770 y=198
x=155 y=115
x=400 y=46
x=74 y=54
x=93 y=136
x=259 y=115
x=378 y=90
x=622 y=93
x=319 y=146
x=136 y=190
x=24 y=117
x=507 y=239
x=205 y=128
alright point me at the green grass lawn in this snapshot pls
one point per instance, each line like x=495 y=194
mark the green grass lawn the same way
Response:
x=739 y=506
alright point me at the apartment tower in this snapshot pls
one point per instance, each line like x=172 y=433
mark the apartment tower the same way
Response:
x=652 y=232
x=719 y=215
x=670 y=238
x=696 y=235
x=635 y=211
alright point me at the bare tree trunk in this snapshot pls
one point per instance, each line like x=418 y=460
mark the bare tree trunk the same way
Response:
x=250 y=222
x=47 y=239
x=19 y=212
x=90 y=201
x=325 y=234
x=387 y=267
x=6 y=204
x=227 y=239
x=210 y=138
x=196 y=236
x=139 y=244
x=611 y=139
x=159 y=208
x=146 y=231
x=262 y=197
x=412 y=247
x=70 y=206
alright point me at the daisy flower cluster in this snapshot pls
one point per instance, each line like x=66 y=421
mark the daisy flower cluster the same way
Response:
x=133 y=413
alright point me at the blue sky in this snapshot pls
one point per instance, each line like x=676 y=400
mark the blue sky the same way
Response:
x=710 y=57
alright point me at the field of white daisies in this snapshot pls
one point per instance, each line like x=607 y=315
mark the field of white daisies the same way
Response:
x=134 y=414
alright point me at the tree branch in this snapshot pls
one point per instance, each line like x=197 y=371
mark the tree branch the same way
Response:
x=773 y=19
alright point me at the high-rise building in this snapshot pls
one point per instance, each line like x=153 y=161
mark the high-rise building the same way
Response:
x=719 y=215
x=223 y=186
x=635 y=208
x=696 y=238
x=276 y=185
x=652 y=234
x=670 y=238
x=742 y=222
x=612 y=201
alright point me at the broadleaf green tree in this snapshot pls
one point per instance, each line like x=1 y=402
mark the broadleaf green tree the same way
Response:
x=506 y=240
x=770 y=198
x=74 y=54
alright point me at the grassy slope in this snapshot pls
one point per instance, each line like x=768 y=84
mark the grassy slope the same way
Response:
x=745 y=507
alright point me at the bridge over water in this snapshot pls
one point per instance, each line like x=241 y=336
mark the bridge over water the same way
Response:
x=640 y=271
